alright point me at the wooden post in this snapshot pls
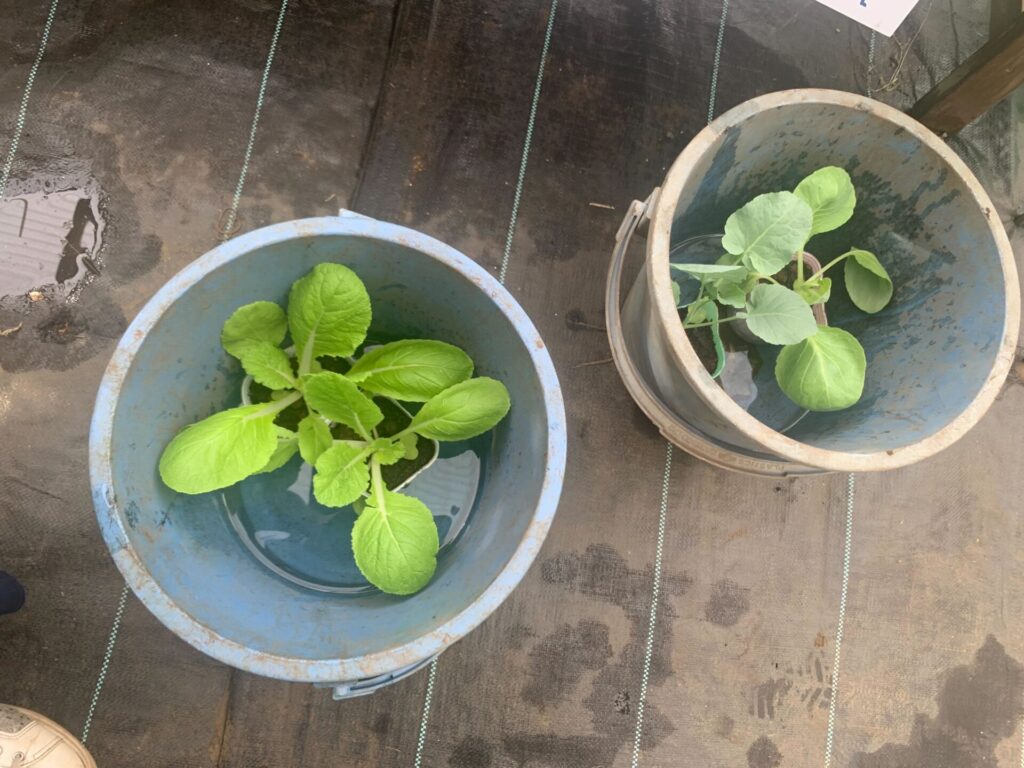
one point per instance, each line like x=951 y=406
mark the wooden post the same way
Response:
x=984 y=79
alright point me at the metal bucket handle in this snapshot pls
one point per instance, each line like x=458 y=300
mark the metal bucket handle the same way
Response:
x=364 y=687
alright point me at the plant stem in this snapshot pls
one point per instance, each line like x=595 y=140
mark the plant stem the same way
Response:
x=769 y=278
x=829 y=266
x=277 y=406
x=353 y=443
x=705 y=325
x=377 y=483
x=306 y=361
x=800 y=267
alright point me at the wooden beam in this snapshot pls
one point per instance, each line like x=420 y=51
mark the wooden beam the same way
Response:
x=984 y=79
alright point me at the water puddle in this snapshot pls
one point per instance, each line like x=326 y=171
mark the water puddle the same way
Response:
x=49 y=236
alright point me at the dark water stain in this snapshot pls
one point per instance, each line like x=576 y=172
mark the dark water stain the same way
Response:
x=557 y=662
x=979 y=706
x=131 y=513
x=727 y=604
x=518 y=634
x=381 y=724
x=56 y=335
x=600 y=573
x=622 y=703
x=769 y=695
x=764 y=754
x=548 y=750
x=724 y=726
x=472 y=752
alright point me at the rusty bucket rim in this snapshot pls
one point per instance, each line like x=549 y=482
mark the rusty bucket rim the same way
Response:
x=685 y=358
x=322 y=670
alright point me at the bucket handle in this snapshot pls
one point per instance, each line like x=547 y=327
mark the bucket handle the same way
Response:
x=637 y=216
x=367 y=685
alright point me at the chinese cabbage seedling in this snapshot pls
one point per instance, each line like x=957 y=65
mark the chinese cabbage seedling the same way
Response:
x=394 y=540
x=818 y=368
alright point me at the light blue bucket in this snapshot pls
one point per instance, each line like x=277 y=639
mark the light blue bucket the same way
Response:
x=181 y=554
x=938 y=354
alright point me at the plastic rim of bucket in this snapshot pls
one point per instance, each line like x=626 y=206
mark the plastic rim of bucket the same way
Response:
x=685 y=358
x=383 y=662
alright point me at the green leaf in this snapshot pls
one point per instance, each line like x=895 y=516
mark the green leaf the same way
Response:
x=731 y=295
x=267 y=364
x=342 y=475
x=408 y=443
x=697 y=311
x=817 y=292
x=334 y=396
x=314 y=438
x=868 y=283
x=395 y=543
x=831 y=196
x=413 y=370
x=463 y=411
x=769 y=230
x=716 y=337
x=220 y=450
x=734 y=273
x=388 y=451
x=777 y=315
x=824 y=372
x=328 y=312
x=287 y=446
x=259 y=321
x=677 y=293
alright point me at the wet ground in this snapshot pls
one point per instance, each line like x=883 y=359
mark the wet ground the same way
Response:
x=415 y=112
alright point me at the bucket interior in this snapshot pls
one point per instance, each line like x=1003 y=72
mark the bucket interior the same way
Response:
x=931 y=350
x=181 y=374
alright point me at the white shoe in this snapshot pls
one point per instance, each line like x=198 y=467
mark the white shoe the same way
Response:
x=29 y=740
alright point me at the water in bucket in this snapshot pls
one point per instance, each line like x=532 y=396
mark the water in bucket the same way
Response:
x=284 y=527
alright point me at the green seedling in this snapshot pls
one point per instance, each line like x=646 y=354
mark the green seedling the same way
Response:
x=820 y=368
x=394 y=540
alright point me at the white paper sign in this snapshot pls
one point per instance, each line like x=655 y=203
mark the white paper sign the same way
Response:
x=881 y=15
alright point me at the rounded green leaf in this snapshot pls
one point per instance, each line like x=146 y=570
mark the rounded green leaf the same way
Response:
x=413 y=370
x=867 y=282
x=334 y=396
x=777 y=315
x=395 y=543
x=342 y=475
x=731 y=295
x=831 y=196
x=768 y=231
x=259 y=321
x=267 y=363
x=824 y=372
x=314 y=438
x=220 y=450
x=328 y=310
x=463 y=411
x=287 y=446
